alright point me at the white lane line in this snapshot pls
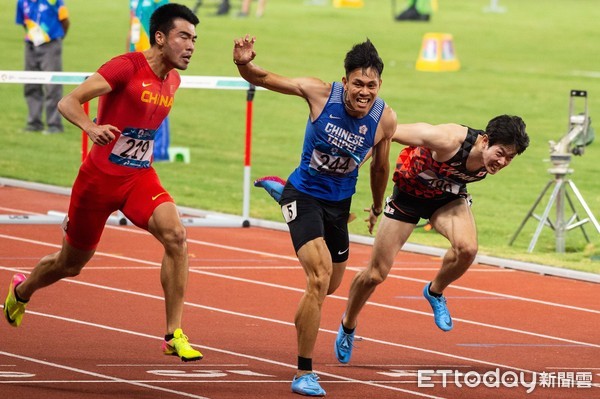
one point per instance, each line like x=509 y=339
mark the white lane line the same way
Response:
x=98 y=375
x=278 y=286
x=290 y=324
x=508 y=296
x=381 y=305
x=224 y=351
x=138 y=231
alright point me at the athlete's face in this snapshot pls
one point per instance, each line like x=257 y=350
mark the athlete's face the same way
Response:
x=497 y=157
x=179 y=44
x=361 y=87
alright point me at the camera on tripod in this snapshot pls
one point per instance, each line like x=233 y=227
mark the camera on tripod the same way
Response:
x=579 y=135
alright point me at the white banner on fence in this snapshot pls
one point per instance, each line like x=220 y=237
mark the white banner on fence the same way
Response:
x=75 y=78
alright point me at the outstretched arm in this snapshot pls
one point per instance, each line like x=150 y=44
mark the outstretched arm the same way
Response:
x=438 y=138
x=314 y=90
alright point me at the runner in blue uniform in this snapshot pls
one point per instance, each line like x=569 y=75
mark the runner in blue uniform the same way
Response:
x=346 y=120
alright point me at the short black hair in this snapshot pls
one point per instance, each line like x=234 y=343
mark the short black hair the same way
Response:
x=162 y=19
x=508 y=130
x=363 y=55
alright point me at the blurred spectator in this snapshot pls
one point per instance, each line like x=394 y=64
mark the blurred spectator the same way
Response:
x=223 y=8
x=260 y=10
x=46 y=23
x=417 y=10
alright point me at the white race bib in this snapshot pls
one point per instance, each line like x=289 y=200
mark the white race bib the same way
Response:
x=134 y=148
x=289 y=211
x=440 y=184
x=330 y=164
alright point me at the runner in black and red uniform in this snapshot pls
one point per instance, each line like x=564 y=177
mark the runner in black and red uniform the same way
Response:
x=136 y=92
x=430 y=179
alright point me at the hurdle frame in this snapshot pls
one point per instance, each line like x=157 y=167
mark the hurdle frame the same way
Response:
x=190 y=82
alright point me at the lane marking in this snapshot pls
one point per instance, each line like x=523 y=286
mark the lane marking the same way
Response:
x=138 y=231
x=239 y=267
x=201 y=364
x=404 y=310
x=290 y=324
x=300 y=290
x=208 y=381
x=98 y=375
x=214 y=349
x=278 y=286
x=498 y=345
x=479 y=298
x=19 y=211
x=518 y=298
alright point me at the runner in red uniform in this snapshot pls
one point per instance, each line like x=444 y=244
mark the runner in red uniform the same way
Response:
x=136 y=93
x=430 y=183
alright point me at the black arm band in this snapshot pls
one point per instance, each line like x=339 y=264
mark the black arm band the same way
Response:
x=374 y=211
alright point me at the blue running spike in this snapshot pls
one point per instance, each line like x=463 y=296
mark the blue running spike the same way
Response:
x=343 y=345
x=441 y=315
x=273 y=184
x=307 y=385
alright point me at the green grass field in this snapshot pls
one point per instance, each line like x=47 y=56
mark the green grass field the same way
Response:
x=522 y=62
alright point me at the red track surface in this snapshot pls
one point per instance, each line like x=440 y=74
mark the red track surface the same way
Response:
x=99 y=335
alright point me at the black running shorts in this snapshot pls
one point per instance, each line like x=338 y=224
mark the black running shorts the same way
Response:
x=408 y=208
x=308 y=218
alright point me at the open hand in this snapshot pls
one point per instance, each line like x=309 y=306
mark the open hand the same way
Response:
x=243 y=50
x=371 y=219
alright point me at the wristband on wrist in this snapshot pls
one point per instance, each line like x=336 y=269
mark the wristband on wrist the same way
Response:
x=375 y=212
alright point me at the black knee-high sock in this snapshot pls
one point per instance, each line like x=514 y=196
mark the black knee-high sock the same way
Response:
x=304 y=363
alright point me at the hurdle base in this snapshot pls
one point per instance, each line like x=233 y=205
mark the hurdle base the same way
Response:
x=30 y=219
x=115 y=220
x=55 y=217
x=213 y=221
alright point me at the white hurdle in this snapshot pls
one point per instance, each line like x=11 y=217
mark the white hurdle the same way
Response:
x=54 y=217
x=190 y=82
x=189 y=216
x=30 y=219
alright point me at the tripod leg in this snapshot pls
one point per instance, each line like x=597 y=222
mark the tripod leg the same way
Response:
x=530 y=213
x=544 y=217
x=580 y=222
x=584 y=205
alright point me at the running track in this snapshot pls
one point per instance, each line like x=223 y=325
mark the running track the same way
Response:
x=99 y=335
